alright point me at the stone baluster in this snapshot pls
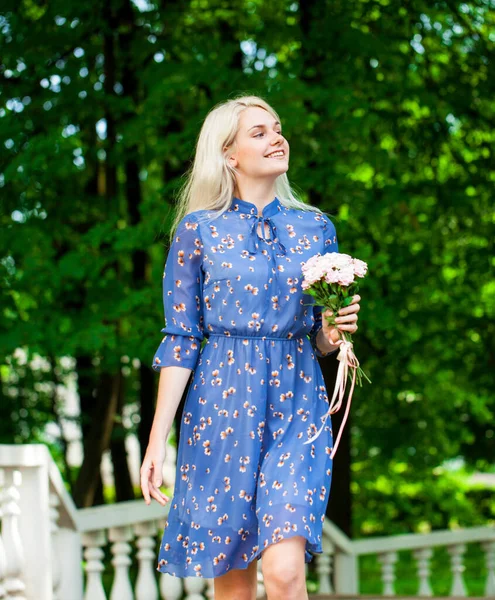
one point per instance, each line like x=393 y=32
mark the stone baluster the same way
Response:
x=489 y=548
x=3 y=559
x=121 y=550
x=457 y=567
x=324 y=567
x=3 y=565
x=56 y=574
x=9 y=503
x=345 y=572
x=171 y=587
x=388 y=560
x=260 y=589
x=146 y=586
x=423 y=557
x=93 y=542
x=194 y=587
x=209 y=593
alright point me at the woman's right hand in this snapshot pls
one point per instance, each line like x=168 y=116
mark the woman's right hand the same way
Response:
x=346 y=320
x=151 y=472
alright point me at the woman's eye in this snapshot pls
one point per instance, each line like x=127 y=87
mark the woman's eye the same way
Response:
x=279 y=132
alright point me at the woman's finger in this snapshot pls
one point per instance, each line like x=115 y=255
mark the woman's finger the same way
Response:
x=157 y=468
x=158 y=495
x=346 y=318
x=352 y=308
x=157 y=489
x=146 y=472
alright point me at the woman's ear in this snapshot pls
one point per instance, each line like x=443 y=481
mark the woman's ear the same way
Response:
x=232 y=160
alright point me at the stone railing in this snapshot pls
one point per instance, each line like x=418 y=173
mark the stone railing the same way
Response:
x=40 y=545
x=386 y=548
x=50 y=550
x=132 y=528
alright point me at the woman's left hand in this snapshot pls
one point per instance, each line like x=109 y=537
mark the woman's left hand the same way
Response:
x=345 y=321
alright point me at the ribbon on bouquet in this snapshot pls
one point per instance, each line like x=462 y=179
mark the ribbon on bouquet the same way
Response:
x=347 y=360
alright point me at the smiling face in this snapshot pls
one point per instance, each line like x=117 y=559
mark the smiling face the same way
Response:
x=260 y=150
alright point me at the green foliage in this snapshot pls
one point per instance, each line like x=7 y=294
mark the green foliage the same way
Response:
x=396 y=501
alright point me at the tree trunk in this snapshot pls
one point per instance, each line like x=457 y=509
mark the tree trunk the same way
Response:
x=146 y=393
x=339 y=508
x=314 y=56
x=100 y=426
x=122 y=478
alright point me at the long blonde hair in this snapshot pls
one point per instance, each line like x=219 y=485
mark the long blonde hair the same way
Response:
x=210 y=180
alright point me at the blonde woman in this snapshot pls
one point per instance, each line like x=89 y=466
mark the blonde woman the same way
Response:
x=246 y=484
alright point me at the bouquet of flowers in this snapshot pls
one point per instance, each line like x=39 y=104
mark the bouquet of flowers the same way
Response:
x=331 y=280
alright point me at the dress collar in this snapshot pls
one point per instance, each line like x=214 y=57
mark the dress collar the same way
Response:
x=251 y=210
x=244 y=206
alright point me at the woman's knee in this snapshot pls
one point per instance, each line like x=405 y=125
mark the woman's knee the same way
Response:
x=283 y=565
x=284 y=580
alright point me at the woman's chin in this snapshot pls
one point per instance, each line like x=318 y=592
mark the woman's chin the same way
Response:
x=274 y=171
x=280 y=169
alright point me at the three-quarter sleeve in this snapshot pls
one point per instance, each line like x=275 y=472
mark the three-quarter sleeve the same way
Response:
x=182 y=299
x=330 y=245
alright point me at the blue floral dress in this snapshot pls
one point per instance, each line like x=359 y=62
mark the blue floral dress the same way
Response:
x=235 y=316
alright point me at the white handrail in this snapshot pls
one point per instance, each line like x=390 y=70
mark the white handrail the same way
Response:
x=34 y=456
x=121 y=514
x=409 y=541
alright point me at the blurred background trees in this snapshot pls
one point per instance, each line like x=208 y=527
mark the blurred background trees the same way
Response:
x=389 y=110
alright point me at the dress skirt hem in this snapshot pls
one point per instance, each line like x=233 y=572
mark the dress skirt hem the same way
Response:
x=184 y=564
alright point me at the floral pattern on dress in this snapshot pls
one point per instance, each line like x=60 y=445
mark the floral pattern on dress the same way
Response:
x=236 y=316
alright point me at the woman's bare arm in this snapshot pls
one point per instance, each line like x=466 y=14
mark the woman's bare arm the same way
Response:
x=171 y=386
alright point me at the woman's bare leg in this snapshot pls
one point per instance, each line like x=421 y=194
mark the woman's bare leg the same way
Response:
x=238 y=584
x=284 y=569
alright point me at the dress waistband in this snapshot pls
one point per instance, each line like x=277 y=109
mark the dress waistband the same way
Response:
x=257 y=337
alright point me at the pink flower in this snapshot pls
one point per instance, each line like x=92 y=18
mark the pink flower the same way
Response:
x=332 y=276
x=346 y=276
x=313 y=273
x=311 y=262
x=337 y=260
x=360 y=267
x=332 y=267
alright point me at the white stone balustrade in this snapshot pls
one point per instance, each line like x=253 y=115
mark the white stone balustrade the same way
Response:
x=44 y=538
x=422 y=547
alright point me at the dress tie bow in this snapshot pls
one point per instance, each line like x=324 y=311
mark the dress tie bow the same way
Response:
x=254 y=237
x=253 y=247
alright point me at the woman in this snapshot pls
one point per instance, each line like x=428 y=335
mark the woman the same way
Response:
x=247 y=486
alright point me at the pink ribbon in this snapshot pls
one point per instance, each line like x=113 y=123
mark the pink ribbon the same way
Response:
x=347 y=359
